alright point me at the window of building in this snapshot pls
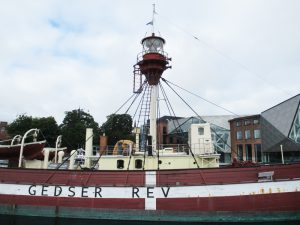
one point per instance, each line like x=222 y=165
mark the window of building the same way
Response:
x=247 y=122
x=164 y=130
x=258 y=154
x=248 y=152
x=257 y=134
x=240 y=152
x=295 y=130
x=238 y=123
x=256 y=121
x=200 y=130
x=138 y=164
x=239 y=135
x=164 y=140
x=247 y=134
x=120 y=164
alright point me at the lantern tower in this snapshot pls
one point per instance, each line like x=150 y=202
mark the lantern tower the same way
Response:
x=151 y=63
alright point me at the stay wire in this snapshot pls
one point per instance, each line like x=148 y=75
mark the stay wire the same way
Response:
x=137 y=95
x=197 y=114
x=221 y=107
x=225 y=55
x=170 y=109
x=168 y=102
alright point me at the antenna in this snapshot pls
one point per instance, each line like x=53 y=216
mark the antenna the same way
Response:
x=153 y=17
x=152 y=21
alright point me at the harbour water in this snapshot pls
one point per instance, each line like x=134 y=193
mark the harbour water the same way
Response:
x=24 y=220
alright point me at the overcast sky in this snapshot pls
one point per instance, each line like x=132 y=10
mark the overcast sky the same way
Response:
x=56 y=56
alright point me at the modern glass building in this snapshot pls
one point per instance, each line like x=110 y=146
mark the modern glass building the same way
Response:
x=280 y=128
x=177 y=131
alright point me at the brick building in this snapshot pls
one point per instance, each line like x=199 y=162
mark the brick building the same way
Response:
x=246 y=138
x=3 y=131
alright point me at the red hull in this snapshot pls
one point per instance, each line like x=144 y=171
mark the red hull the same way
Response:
x=186 y=177
x=274 y=202
x=281 y=195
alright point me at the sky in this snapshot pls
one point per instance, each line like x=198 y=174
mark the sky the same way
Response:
x=56 y=56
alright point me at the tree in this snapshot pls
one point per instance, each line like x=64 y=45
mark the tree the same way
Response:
x=73 y=128
x=20 y=125
x=117 y=127
x=47 y=125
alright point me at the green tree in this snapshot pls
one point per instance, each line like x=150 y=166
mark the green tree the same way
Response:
x=73 y=128
x=20 y=125
x=117 y=127
x=48 y=127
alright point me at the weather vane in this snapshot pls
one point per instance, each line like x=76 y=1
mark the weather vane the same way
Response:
x=152 y=21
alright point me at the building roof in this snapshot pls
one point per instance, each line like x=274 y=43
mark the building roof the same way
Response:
x=185 y=123
x=245 y=117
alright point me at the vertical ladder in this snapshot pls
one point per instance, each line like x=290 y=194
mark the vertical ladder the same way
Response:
x=144 y=116
x=137 y=80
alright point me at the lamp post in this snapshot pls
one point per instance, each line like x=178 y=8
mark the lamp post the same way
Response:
x=282 y=159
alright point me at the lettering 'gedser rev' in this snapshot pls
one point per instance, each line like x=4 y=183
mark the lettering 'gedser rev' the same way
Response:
x=96 y=192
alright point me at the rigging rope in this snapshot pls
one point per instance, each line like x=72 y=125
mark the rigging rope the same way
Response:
x=197 y=114
x=201 y=97
x=168 y=102
x=176 y=118
x=246 y=68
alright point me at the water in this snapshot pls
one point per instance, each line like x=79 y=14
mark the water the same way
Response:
x=21 y=220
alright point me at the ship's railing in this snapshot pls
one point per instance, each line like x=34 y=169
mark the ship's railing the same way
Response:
x=198 y=148
x=126 y=150
x=141 y=54
x=203 y=148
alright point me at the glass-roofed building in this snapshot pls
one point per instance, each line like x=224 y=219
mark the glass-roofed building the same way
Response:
x=280 y=128
x=174 y=130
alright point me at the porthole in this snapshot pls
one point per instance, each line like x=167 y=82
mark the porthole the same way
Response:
x=138 y=164
x=120 y=164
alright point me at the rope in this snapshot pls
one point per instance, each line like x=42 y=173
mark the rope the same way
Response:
x=181 y=131
x=229 y=58
x=201 y=97
x=197 y=114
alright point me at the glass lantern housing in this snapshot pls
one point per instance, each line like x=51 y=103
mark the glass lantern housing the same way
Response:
x=153 y=44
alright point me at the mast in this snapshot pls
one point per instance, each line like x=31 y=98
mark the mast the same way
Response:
x=151 y=63
x=153 y=116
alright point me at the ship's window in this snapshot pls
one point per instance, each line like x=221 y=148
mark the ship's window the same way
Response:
x=120 y=164
x=200 y=131
x=138 y=164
